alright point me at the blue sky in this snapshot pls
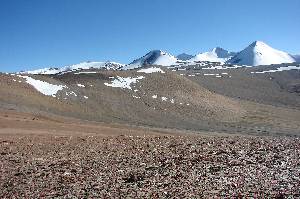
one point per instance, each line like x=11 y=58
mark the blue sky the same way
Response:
x=39 y=33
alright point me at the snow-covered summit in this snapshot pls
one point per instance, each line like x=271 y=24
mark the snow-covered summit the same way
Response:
x=259 y=53
x=80 y=66
x=215 y=55
x=155 y=57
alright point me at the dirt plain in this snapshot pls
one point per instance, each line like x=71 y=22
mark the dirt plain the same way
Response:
x=44 y=157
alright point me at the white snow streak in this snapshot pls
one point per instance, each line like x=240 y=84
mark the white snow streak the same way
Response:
x=221 y=67
x=283 y=68
x=85 y=73
x=164 y=98
x=44 y=87
x=151 y=70
x=124 y=82
x=81 y=85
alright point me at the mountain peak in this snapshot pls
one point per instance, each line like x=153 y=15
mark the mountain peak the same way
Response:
x=258 y=43
x=157 y=51
x=218 y=49
x=154 y=57
x=184 y=56
x=220 y=52
x=259 y=53
x=217 y=54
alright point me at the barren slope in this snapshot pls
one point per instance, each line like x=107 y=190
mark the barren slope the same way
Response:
x=234 y=100
x=160 y=99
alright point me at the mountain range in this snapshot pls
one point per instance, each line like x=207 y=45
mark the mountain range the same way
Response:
x=257 y=53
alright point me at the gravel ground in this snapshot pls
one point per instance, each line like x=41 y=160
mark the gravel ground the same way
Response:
x=48 y=166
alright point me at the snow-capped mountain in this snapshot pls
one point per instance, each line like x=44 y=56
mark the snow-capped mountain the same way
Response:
x=215 y=55
x=155 y=57
x=259 y=53
x=83 y=65
x=184 y=56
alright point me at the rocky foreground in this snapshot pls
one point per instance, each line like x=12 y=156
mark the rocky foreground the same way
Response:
x=46 y=166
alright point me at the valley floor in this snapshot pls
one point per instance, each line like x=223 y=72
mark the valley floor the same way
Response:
x=46 y=157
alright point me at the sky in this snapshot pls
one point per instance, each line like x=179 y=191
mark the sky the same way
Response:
x=44 y=33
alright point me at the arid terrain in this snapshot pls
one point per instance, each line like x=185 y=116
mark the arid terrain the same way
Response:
x=191 y=98
x=149 y=99
x=46 y=158
x=173 y=134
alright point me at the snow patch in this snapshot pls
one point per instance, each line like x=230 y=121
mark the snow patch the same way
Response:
x=43 y=87
x=81 y=85
x=71 y=93
x=151 y=70
x=210 y=74
x=223 y=67
x=87 y=72
x=283 y=68
x=124 y=82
